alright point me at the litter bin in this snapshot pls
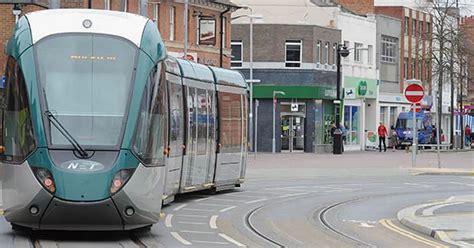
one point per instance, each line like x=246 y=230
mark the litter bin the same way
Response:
x=337 y=142
x=457 y=141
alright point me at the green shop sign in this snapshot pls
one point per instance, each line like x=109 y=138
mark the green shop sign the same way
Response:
x=300 y=92
x=359 y=88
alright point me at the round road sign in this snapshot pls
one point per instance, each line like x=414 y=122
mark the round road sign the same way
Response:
x=418 y=107
x=414 y=93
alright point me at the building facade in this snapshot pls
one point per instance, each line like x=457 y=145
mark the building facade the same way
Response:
x=360 y=79
x=298 y=63
x=208 y=23
x=391 y=100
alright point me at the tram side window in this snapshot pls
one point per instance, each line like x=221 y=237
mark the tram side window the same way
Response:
x=230 y=132
x=17 y=134
x=244 y=119
x=176 y=107
x=152 y=133
x=202 y=121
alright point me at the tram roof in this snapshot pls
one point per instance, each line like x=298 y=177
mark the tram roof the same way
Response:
x=195 y=71
x=48 y=22
x=229 y=77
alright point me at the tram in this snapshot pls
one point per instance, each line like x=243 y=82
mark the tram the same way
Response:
x=100 y=127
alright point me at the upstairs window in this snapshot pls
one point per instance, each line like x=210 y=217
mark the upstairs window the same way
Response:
x=237 y=51
x=413 y=29
x=334 y=53
x=293 y=53
x=370 y=54
x=156 y=13
x=357 y=52
x=389 y=49
x=318 y=51
x=326 y=53
x=407 y=25
x=172 y=22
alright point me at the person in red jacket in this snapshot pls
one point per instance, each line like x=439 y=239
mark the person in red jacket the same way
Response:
x=382 y=131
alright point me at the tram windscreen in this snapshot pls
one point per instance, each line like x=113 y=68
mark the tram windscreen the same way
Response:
x=86 y=83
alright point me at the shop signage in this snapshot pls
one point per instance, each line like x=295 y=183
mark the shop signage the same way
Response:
x=362 y=87
x=350 y=93
x=294 y=107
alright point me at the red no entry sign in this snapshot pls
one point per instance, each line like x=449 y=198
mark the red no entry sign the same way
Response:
x=414 y=93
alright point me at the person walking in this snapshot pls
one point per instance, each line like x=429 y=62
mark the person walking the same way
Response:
x=382 y=131
x=394 y=139
x=467 y=136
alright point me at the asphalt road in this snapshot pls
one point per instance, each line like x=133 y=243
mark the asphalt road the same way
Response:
x=273 y=210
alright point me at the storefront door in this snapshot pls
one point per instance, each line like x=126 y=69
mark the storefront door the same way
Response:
x=292 y=133
x=351 y=123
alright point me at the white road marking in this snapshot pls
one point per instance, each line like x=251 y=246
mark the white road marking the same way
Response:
x=179 y=207
x=213 y=222
x=464 y=184
x=365 y=225
x=210 y=242
x=224 y=199
x=430 y=211
x=420 y=185
x=213 y=204
x=258 y=200
x=202 y=199
x=199 y=232
x=264 y=193
x=192 y=216
x=295 y=194
x=180 y=239
x=197 y=209
x=168 y=220
x=233 y=241
x=191 y=223
x=226 y=209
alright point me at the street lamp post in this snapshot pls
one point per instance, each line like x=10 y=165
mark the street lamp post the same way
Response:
x=342 y=51
x=251 y=80
x=274 y=105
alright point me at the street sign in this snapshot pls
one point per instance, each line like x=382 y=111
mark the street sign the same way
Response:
x=414 y=93
x=418 y=107
x=294 y=107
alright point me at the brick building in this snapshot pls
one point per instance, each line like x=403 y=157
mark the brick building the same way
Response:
x=415 y=37
x=204 y=23
x=467 y=25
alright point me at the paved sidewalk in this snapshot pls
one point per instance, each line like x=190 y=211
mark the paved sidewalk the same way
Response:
x=451 y=221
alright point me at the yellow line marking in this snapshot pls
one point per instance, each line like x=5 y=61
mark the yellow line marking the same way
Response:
x=162 y=215
x=1 y=212
x=388 y=224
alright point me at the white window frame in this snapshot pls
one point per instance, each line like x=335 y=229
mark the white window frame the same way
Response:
x=172 y=23
x=334 y=53
x=156 y=12
x=293 y=43
x=224 y=26
x=318 y=52
x=370 y=54
x=241 y=61
x=389 y=48
x=326 y=51
x=358 y=52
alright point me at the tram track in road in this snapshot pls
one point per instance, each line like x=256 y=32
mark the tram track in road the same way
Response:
x=322 y=214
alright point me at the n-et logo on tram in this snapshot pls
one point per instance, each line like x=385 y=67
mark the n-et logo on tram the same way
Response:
x=82 y=166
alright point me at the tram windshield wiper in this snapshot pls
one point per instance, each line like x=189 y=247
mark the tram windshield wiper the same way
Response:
x=52 y=119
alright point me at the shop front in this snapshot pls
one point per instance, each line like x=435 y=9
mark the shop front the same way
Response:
x=360 y=112
x=302 y=114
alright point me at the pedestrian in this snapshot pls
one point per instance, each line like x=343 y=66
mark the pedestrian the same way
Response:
x=344 y=132
x=394 y=139
x=467 y=136
x=382 y=131
x=433 y=135
x=332 y=128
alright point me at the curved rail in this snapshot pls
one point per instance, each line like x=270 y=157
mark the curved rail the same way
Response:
x=248 y=220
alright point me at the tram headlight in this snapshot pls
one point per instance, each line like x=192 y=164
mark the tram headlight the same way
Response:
x=46 y=178
x=120 y=178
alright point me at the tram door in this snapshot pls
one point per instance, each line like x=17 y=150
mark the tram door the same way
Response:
x=292 y=133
